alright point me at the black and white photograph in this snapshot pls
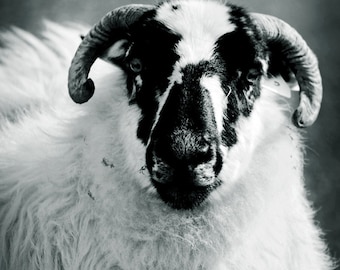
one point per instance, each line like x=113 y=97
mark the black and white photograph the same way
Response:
x=169 y=135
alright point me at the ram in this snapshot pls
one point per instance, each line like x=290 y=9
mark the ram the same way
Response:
x=182 y=159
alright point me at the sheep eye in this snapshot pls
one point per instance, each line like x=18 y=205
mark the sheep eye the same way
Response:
x=252 y=75
x=136 y=65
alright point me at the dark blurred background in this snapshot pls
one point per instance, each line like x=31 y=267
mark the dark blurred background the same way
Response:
x=318 y=21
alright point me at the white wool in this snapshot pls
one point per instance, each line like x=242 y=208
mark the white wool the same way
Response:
x=207 y=21
x=74 y=193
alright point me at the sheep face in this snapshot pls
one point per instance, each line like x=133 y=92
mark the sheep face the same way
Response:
x=193 y=68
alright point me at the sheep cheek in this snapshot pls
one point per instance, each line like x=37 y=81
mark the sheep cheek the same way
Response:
x=132 y=147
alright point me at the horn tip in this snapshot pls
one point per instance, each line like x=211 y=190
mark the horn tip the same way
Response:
x=81 y=94
x=303 y=117
x=298 y=119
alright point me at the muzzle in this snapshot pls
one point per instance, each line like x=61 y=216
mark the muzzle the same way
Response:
x=183 y=155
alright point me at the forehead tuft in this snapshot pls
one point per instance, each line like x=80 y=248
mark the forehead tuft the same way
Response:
x=196 y=17
x=199 y=23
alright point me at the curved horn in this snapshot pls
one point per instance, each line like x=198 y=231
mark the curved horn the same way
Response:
x=300 y=59
x=112 y=27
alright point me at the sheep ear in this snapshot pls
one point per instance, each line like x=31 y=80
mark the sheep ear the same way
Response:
x=116 y=53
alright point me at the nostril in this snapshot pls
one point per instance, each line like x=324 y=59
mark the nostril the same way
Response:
x=205 y=144
x=204 y=154
x=158 y=174
x=161 y=176
x=160 y=171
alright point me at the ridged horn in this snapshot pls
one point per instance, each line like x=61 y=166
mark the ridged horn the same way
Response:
x=302 y=62
x=112 y=27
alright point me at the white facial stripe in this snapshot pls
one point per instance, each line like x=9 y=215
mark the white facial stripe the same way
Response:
x=200 y=24
x=177 y=75
x=162 y=99
x=218 y=98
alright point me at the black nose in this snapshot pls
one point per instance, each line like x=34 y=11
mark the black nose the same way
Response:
x=184 y=157
x=184 y=167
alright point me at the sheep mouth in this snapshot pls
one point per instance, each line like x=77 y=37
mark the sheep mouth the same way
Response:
x=184 y=196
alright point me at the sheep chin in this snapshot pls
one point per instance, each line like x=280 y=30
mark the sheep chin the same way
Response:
x=184 y=197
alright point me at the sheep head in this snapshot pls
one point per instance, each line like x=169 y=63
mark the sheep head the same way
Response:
x=194 y=68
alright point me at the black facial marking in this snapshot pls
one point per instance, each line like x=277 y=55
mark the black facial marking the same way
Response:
x=240 y=51
x=243 y=22
x=153 y=44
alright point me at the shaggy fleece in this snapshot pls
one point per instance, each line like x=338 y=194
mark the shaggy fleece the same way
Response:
x=74 y=192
